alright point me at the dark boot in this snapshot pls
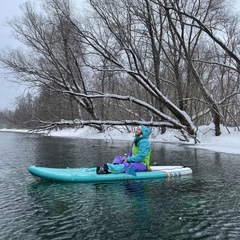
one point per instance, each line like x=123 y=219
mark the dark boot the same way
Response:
x=102 y=170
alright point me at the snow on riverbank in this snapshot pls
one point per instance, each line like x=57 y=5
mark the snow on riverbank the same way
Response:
x=227 y=142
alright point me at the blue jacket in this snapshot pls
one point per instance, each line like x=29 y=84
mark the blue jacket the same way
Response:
x=141 y=149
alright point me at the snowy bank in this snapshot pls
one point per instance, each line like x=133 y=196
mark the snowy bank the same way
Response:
x=228 y=141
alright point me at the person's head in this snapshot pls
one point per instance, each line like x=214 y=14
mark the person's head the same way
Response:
x=138 y=131
x=142 y=131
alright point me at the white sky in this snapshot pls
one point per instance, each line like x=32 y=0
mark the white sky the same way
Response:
x=9 y=90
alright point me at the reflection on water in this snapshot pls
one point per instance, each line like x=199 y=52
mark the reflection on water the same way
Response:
x=202 y=206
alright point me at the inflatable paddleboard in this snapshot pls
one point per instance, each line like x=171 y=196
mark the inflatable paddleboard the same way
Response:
x=89 y=174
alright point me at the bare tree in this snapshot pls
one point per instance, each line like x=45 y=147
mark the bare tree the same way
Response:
x=55 y=55
x=134 y=50
x=183 y=22
x=144 y=61
x=55 y=38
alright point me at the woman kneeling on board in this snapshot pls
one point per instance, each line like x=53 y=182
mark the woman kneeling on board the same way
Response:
x=138 y=158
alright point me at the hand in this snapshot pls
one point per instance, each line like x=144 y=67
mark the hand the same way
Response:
x=124 y=159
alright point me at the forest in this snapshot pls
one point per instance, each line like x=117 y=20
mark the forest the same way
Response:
x=162 y=63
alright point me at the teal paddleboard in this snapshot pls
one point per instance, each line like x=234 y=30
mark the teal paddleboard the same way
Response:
x=89 y=174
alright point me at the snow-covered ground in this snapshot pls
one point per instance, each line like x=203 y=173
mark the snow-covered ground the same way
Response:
x=228 y=142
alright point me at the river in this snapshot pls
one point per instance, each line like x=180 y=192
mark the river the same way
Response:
x=204 y=205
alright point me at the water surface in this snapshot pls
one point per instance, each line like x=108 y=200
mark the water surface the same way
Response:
x=202 y=206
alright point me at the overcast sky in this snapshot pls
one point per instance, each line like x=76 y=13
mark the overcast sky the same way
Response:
x=9 y=91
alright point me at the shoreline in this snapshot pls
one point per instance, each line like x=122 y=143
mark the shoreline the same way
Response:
x=226 y=142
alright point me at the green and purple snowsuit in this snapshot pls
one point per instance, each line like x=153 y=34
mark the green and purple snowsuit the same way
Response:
x=138 y=157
